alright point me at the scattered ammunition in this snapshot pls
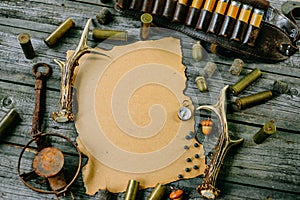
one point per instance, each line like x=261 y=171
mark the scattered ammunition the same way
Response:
x=180 y=11
x=158 y=7
x=158 y=192
x=136 y=5
x=229 y=19
x=59 y=32
x=245 y=81
x=146 y=20
x=254 y=27
x=281 y=87
x=176 y=194
x=205 y=15
x=254 y=99
x=218 y=16
x=147 y=6
x=197 y=51
x=99 y=34
x=236 y=67
x=241 y=24
x=25 y=42
x=266 y=131
x=132 y=190
x=169 y=8
x=201 y=83
x=193 y=13
x=207 y=126
x=210 y=69
x=104 y=16
x=9 y=119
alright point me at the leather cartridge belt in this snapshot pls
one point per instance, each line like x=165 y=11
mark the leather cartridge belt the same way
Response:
x=248 y=28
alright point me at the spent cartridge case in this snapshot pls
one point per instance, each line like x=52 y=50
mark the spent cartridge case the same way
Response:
x=158 y=192
x=252 y=100
x=241 y=24
x=25 y=42
x=132 y=190
x=59 y=32
x=146 y=20
x=201 y=83
x=266 y=131
x=99 y=34
x=245 y=81
x=8 y=121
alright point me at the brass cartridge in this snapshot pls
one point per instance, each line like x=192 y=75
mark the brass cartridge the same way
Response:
x=136 y=5
x=25 y=42
x=229 y=19
x=205 y=15
x=201 y=83
x=147 y=6
x=254 y=99
x=59 y=32
x=180 y=11
x=8 y=120
x=245 y=81
x=266 y=131
x=193 y=13
x=99 y=34
x=158 y=7
x=132 y=190
x=218 y=16
x=254 y=27
x=158 y=192
x=169 y=8
x=146 y=20
x=241 y=24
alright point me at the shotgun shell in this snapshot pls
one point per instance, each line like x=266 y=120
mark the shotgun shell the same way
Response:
x=218 y=16
x=136 y=5
x=281 y=87
x=236 y=67
x=146 y=20
x=169 y=8
x=59 y=32
x=158 y=7
x=123 y=3
x=245 y=81
x=104 y=16
x=158 y=192
x=252 y=100
x=180 y=11
x=25 y=42
x=266 y=131
x=193 y=13
x=201 y=83
x=99 y=34
x=205 y=15
x=229 y=19
x=254 y=27
x=132 y=190
x=147 y=6
x=10 y=118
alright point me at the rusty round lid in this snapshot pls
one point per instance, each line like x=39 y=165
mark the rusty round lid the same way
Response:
x=48 y=162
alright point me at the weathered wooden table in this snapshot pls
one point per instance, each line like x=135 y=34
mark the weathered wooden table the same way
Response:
x=266 y=171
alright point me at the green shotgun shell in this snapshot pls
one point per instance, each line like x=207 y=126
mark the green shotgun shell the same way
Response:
x=254 y=99
x=25 y=42
x=266 y=131
x=245 y=81
x=8 y=120
x=158 y=192
x=132 y=190
x=59 y=32
x=146 y=20
x=99 y=34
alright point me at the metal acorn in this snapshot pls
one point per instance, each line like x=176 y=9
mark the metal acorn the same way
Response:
x=207 y=126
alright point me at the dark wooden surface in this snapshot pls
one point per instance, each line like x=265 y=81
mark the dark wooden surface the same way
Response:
x=266 y=171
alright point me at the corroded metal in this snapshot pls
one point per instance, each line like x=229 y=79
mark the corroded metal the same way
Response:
x=207 y=189
x=64 y=113
x=25 y=42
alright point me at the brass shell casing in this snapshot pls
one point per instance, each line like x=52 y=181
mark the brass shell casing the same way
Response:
x=59 y=32
x=201 y=83
x=252 y=100
x=99 y=34
x=169 y=8
x=245 y=81
x=266 y=131
x=25 y=42
x=158 y=192
x=146 y=20
x=132 y=190
x=8 y=120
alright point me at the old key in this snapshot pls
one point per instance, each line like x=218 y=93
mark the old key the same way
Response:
x=49 y=161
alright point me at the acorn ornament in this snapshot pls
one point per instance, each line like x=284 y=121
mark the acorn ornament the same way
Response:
x=207 y=126
x=176 y=194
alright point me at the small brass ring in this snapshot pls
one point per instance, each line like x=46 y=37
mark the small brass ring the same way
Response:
x=186 y=103
x=38 y=65
x=7 y=102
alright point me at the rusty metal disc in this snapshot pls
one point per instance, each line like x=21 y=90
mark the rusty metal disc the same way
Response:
x=48 y=162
